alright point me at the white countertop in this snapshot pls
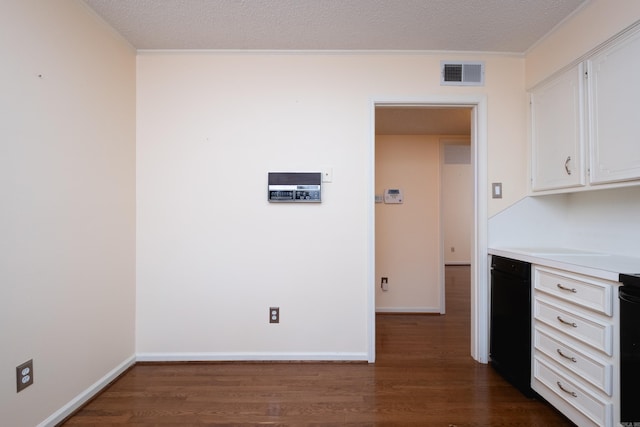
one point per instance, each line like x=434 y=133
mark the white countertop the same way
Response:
x=601 y=265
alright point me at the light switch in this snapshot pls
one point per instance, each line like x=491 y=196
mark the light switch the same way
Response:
x=496 y=190
x=327 y=174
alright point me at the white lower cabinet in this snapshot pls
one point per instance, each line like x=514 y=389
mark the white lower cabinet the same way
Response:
x=575 y=342
x=571 y=397
x=596 y=370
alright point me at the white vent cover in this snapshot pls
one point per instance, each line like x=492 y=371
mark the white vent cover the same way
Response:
x=461 y=73
x=457 y=154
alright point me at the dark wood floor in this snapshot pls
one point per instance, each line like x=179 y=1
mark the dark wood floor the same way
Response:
x=423 y=376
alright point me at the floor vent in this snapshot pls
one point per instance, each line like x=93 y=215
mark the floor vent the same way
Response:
x=462 y=73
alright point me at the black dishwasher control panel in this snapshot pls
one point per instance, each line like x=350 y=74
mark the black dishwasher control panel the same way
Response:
x=511 y=266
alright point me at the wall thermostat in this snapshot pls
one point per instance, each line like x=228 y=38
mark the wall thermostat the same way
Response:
x=393 y=195
x=294 y=187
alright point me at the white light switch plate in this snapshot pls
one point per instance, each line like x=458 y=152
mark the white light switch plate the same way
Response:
x=496 y=189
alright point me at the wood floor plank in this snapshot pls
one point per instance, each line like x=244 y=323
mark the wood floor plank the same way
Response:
x=423 y=376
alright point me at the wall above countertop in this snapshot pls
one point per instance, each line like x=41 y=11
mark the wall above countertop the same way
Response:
x=602 y=221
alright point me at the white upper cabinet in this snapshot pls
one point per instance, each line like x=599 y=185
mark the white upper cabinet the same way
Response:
x=585 y=122
x=614 y=99
x=557 y=114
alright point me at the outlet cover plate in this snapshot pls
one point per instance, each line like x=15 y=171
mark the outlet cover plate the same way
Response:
x=24 y=375
x=274 y=314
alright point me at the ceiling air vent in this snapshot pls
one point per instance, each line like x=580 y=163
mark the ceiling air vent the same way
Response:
x=462 y=73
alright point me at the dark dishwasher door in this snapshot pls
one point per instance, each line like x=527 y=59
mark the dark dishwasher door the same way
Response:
x=510 y=337
x=629 y=355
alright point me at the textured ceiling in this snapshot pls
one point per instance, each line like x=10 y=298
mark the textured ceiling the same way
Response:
x=462 y=25
x=510 y=26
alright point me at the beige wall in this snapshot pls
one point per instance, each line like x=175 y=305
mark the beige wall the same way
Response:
x=413 y=240
x=211 y=251
x=67 y=192
x=207 y=257
x=592 y=25
x=408 y=235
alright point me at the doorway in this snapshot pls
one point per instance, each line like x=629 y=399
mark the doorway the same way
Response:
x=422 y=153
x=456 y=204
x=479 y=264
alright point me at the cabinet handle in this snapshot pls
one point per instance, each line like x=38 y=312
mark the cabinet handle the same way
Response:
x=566 y=165
x=573 y=359
x=572 y=393
x=561 y=320
x=564 y=288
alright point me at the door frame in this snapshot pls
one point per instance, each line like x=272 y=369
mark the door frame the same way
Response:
x=479 y=255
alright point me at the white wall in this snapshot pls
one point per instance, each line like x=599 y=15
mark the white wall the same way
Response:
x=67 y=191
x=605 y=221
x=532 y=222
x=408 y=235
x=213 y=255
x=598 y=221
x=457 y=201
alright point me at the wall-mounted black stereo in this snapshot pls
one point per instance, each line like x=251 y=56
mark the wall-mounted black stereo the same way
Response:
x=302 y=187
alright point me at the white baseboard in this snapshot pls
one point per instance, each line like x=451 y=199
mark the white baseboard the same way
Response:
x=83 y=397
x=249 y=357
x=434 y=310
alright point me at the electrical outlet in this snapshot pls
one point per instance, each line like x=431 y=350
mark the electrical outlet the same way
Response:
x=384 y=284
x=24 y=375
x=274 y=314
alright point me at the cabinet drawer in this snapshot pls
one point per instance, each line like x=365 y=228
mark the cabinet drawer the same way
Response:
x=593 y=406
x=597 y=372
x=586 y=329
x=581 y=290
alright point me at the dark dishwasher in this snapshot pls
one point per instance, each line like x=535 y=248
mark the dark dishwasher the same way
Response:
x=510 y=336
x=629 y=295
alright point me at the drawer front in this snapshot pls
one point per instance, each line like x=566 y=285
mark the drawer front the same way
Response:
x=593 y=406
x=588 y=330
x=581 y=290
x=597 y=372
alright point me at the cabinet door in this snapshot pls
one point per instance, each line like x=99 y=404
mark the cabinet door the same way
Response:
x=614 y=92
x=557 y=119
